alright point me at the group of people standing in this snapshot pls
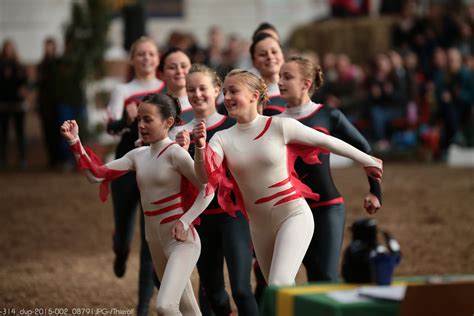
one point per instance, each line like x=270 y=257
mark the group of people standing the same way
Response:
x=57 y=83
x=259 y=184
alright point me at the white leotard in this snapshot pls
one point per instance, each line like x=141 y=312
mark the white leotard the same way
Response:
x=159 y=169
x=281 y=222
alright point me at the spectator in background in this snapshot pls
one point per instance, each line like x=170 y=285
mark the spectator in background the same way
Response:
x=13 y=81
x=213 y=53
x=406 y=27
x=47 y=104
x=404 y=82
x=466 y=41
x=381 y=98
x=230 y=57
x=346 y=89
x=404 y=99
x=186 y=42
x=410 y=62
x=70 y=96
x=438 y=62
x=454 y=89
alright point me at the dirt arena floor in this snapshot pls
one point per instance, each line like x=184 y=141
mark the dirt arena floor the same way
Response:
x=56 y=236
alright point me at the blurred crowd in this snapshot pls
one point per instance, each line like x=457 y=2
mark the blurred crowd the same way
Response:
x=419 y=94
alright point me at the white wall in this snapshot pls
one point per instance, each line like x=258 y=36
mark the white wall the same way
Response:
x=240 y=17
x=29 y=22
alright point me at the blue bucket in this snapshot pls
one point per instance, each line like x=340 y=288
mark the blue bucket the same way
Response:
x=383 y=265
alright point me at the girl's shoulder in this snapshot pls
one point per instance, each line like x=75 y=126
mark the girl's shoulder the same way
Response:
x=138 y=151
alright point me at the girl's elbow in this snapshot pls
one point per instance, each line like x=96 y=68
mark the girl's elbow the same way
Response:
x=203 y=182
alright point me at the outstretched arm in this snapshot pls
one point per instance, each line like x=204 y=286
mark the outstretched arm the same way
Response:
x=297 y=133
x=92 y=169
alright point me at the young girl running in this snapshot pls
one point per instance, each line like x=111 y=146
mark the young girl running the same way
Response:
x=222 y=235
x=174 y=66
x=258 y=152
x=163 y=172
x=299 y=78
x=122 y=111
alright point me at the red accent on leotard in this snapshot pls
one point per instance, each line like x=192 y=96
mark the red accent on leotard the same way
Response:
x=339 y=200
x=276 y=195
x=310 y=156
x=97 y=168
x=265 y=129
x=289 y=198
x=164 y=149
x=322 y=129
x=163 y=210
x=279 y=184
x=167 y=199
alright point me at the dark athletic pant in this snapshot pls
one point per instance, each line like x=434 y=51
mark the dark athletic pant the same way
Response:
x=226 y=237
x=322 y=258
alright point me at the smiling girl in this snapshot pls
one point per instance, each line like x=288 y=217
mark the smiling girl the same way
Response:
x=222 y=235
x=267 y=58
x=163 y=172
x=299 y=78
x=258 y=152
x=174 y=66
x=122 y=112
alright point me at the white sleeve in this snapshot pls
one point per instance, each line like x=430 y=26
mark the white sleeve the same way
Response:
x=116 y=104
x=216 y=145
x=294 y=132
x=183 y=162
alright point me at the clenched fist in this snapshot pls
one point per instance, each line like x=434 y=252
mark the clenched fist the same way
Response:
x=69 y=130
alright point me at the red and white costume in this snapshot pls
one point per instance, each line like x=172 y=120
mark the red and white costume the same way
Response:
x=258 y=156
x=162 y=170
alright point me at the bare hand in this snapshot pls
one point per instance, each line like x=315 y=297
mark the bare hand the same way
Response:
x=132 y=112
x=199 y=133
x=375 y=172
x=371 y=204
x=183 y=139
x=178 y=232
x=69 y=130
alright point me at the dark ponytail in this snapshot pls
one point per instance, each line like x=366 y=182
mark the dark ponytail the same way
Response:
x=166 y=104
